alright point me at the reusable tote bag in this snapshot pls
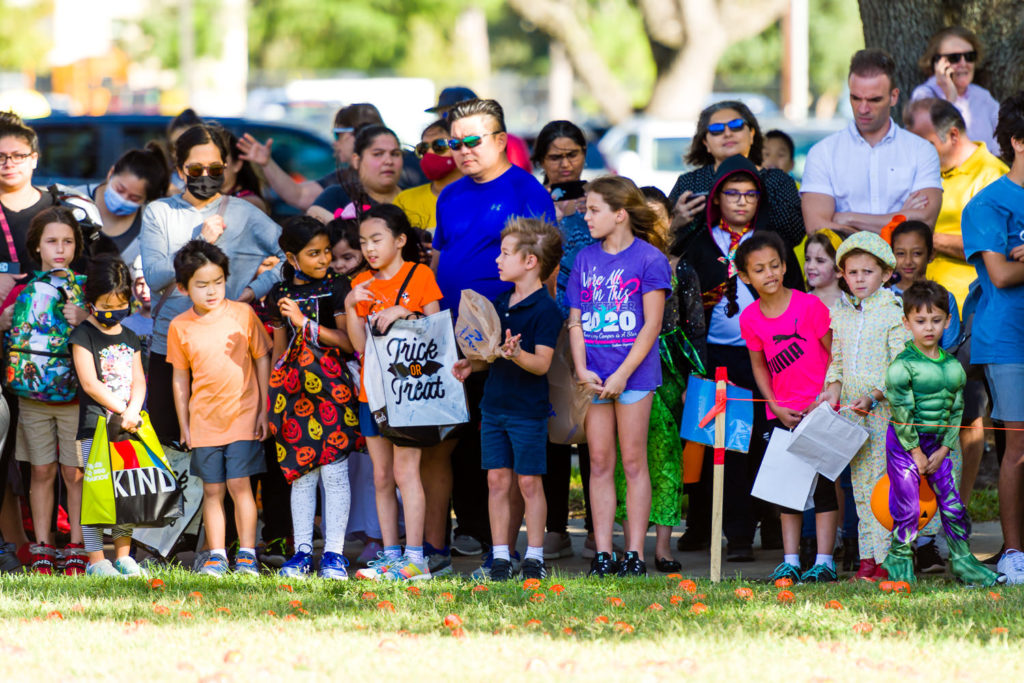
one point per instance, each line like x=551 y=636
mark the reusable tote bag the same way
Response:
x=314 y=416
x=128 y=480
x=407 y=372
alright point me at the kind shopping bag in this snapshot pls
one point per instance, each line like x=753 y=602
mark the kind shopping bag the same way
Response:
x=128 y=480
x=407 y=371
x=478 y=329
x=314 y=414
x=569 y=400
x=162 y=540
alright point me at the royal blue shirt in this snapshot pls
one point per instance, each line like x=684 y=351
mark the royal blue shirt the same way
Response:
x=470 y=218
x=511 y=390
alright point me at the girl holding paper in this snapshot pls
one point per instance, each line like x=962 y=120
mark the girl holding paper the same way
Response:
x=789 y=341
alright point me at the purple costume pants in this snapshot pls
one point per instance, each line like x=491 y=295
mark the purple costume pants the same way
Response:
x=904 y=498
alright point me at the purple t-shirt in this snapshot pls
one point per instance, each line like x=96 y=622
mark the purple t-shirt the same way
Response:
x=608 y=289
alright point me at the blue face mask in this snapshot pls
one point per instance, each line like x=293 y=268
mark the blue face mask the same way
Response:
x=111 y=318
x=118 y=205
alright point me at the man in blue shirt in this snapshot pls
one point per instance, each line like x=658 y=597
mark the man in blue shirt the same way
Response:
x=471 y=213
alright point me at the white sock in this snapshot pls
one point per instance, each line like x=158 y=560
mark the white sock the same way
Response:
x=500 y=552
x=535 y=553
x=220 y=552
x=251 y=551
x=791 y=559
x=303 y=504
x=824 y=559
x=337 y=501
x=414 y=553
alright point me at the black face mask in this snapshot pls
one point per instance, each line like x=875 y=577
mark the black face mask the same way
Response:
x=111 y=318
x=204 y=186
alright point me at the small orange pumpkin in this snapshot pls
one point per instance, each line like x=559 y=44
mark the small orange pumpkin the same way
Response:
x=341 y=393
x=328 y=413
x=306 y=357
x=277 y=377
x=338 y=438
x=304 y=407
x=304 y=455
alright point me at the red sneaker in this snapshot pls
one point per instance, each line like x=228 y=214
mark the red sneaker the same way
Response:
x=25 y=554
x=75 y=559
x=867 y=571
x=881 y=573
x=43 y=558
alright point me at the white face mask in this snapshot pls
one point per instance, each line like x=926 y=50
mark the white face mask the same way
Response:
x=118 y=205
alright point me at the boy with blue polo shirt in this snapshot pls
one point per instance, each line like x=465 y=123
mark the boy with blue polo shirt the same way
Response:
x=515 y=408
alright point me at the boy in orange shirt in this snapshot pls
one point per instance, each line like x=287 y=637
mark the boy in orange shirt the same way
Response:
x=221 y=358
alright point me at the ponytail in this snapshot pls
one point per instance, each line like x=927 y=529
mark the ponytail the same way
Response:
x=732 y=306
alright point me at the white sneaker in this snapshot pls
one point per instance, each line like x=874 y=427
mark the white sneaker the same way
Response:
x=129 y=568
x=1012 y=564
x=103 y=569
x=375 y=569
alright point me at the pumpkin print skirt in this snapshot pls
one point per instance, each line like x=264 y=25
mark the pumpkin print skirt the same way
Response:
x=314 y=413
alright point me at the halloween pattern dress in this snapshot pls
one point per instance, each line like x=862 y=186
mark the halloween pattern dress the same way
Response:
x=314 y=404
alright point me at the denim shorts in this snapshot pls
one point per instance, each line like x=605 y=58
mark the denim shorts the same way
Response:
x=519 y=443
x=1004 y=382
x=217 y=464
x=367 y=425
x=625 y=398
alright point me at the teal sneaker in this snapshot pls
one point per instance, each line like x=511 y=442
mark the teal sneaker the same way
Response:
x=405 y=569
x=375 y=569
x=103 y=570
x=785 y=571
x=820 y=573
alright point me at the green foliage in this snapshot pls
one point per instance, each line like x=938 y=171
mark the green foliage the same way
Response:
x=23 y=42
x=984 y=505
x=161 y=28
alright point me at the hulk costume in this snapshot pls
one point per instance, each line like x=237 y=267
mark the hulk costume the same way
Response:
x=926 y=395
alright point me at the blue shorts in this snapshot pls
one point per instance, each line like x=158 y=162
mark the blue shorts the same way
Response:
x=1004 y=382
x=519 y=443
x=625 y=398
x=367 y=425
x=217 y=464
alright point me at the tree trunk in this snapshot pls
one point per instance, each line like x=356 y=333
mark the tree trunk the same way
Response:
x=903 y=28
x=681 y=89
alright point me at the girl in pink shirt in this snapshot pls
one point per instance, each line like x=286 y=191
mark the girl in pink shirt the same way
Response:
x=788 y=337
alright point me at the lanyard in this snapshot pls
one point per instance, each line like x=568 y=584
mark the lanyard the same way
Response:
x=8 y=236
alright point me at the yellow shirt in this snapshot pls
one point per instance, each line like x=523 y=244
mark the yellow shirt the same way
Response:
x=420 y=206
x=959 y=185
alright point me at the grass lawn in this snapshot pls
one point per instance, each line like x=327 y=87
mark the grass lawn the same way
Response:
x=196 y=628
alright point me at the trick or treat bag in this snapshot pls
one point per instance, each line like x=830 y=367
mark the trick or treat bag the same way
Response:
x=478 y=329
x=128 y=480
x=314 y=410
x=407 y=372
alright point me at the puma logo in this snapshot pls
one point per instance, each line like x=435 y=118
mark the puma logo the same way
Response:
x=779 y=338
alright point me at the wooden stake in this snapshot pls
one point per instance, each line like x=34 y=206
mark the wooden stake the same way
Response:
x=721 y=377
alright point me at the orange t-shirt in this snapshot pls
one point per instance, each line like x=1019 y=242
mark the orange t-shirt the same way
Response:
x=219 y=349
x=421 y=290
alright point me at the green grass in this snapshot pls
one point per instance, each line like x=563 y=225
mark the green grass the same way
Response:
x=984 y=505
x=197 y=626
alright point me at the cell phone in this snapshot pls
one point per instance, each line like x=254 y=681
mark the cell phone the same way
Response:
x=10 y=267
x=705 y=193
x=561 y=192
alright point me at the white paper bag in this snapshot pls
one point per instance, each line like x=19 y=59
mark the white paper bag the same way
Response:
x=784 y=479
x=827 y=441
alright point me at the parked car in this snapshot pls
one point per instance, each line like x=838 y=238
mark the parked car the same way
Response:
x=76 y=150
x=648 y=151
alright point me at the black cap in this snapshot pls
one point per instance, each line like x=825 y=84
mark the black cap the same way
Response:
x=449 y=97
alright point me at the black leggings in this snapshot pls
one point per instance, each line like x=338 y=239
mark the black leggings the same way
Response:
x=556 y=485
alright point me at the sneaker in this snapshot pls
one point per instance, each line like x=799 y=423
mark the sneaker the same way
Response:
x=215 y=565
x=632 y=565
x=483 y=572
x=9 y=561
x=375 y=569
x=1012 y=564
x=103 y=569
x=784 y=571
x=332 y=566
x=866 y=571
x=819 y=573
x=590 y=548
x=245 y=563
x=466 y=546
x=129 y=568
x=534 y=569
x=438 y=561
x=372 y=551
x=406 y=570
x=75 y=559
x=500 y=570
x=557 y=545
x=298 y=566
x=602 y=565
x=43 y=557
x=928 y=559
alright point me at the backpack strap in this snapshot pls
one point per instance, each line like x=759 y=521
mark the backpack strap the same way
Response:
x=8 y=236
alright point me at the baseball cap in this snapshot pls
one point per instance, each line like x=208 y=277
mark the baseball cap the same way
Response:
x=449 y=97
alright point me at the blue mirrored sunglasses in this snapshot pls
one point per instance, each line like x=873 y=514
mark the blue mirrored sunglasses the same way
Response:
x=719 y=128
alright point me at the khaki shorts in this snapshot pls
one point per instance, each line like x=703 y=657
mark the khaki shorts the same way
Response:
x=42 y=427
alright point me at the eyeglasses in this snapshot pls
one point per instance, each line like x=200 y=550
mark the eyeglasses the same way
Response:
x=470 y=141
x=438 y=146
x=735 y=125
x=559 y=158
x=338 y=132
x=955 y=57
x=216 y=169
x=735 y=196
x=15 y=158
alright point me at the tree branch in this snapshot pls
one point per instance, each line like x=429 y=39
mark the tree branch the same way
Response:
x=663 y=20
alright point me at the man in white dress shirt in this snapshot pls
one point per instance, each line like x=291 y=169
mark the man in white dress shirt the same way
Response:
x=860 y=177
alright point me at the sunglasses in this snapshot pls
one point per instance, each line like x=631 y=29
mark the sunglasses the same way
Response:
x=734 y=196
x=438 y=146
x=719 y=128
x=338 y=132
x=955 y=57
x=470 y=141
x=216 y=169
